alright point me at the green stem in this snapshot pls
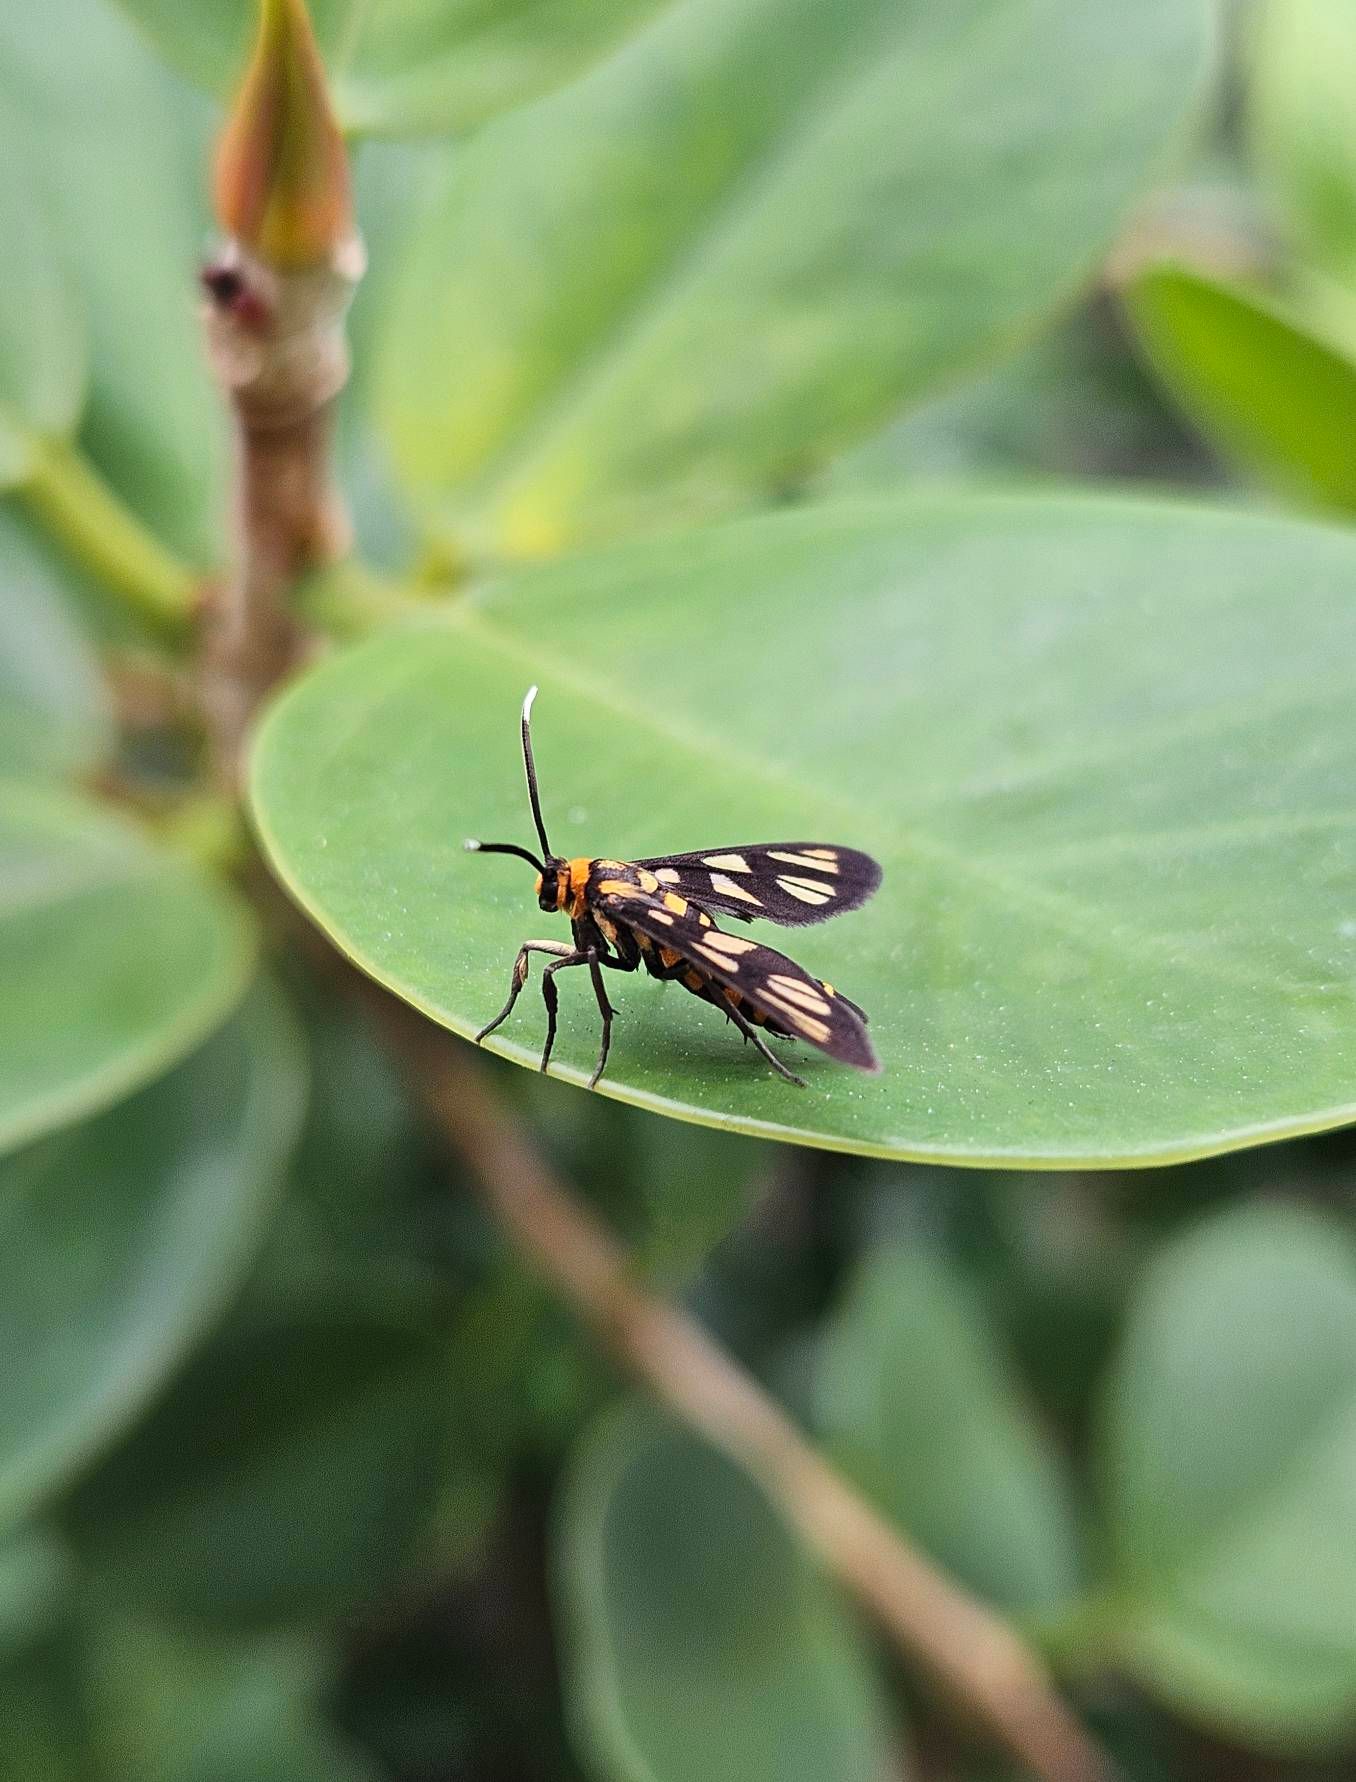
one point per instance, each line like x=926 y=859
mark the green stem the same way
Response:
x=73 y=502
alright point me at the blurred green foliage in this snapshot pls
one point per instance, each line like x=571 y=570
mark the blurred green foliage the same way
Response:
x=302 y=1474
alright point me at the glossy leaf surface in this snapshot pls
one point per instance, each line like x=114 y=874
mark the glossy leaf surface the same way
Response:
x=1103 y=749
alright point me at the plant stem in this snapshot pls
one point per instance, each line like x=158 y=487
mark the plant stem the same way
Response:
x=277 y=345
x=968 y=1649
x=73 y=502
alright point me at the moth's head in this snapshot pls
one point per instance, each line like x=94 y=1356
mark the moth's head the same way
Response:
x=552 y=884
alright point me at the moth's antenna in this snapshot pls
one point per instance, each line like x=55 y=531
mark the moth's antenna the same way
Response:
x=480 y=847
x=532 y=772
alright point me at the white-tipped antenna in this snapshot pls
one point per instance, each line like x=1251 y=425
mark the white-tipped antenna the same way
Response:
x=531 y=770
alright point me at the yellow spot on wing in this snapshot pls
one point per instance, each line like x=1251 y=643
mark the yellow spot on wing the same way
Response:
x=619 y=888
x=730 y=943
x=802 y=994
x=728 y=888
x=673 y=902
x=721 y=959
x=647 y=879
x=806 y=890
x=668 y=875
x=727 y=862
x=822 y=861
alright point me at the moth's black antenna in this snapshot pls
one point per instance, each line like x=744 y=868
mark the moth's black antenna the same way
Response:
x=532 y=772
x=480 y=847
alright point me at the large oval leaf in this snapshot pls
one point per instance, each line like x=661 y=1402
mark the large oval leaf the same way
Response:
x=1229 y=1456
x=699 y=272
x=425 y=65
x=122 y=1236
x=54 y=715
x=703 y=1646
x=116 y=957
x=1105 y=751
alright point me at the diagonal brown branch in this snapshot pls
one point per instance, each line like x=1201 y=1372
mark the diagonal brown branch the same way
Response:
x=978 y=1659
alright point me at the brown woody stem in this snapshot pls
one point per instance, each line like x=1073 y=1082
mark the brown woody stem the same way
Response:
x=277 y=345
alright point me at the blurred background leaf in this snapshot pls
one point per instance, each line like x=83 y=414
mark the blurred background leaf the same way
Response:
x=1228 y=1458
x=426 y=65
x=54 y=710
x=289 y=1472
x=117 y=955
x=118 y=149
x=693 y=276
x=1301 y=68
x=701 y=1645
x=1275 y=396
x=123 y=1238
x=227 y=1710
x=922 y=1408
x=42 y=337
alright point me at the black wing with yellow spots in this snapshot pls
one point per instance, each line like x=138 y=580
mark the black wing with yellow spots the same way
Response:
x=794 y=883
x=779 y=989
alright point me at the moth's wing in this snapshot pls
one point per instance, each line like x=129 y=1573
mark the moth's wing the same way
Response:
x=765 y=979
x=794 y=883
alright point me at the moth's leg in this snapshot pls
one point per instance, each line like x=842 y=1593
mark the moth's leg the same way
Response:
x=551 y=996
x=750 y=1032
x=606 y=1010
x=519 y=978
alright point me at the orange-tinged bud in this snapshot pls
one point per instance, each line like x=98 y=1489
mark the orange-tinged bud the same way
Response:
x=281 y=181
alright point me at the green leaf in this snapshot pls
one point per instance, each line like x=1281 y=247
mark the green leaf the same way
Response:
x=1104 y=750
x=42 y=339
x=35 y=1574
x=1229 y=1451
x=169 y=1709
x=131 y=227
x=1275 y=397
x=412 y=69
x=1301 y=66
x=43 y=1724
x=117 y=958
x=701 y=1645
x=698 y=273
x=122 y=1238
x=54 y=715
x=289 y=1473
x=922 y=1409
